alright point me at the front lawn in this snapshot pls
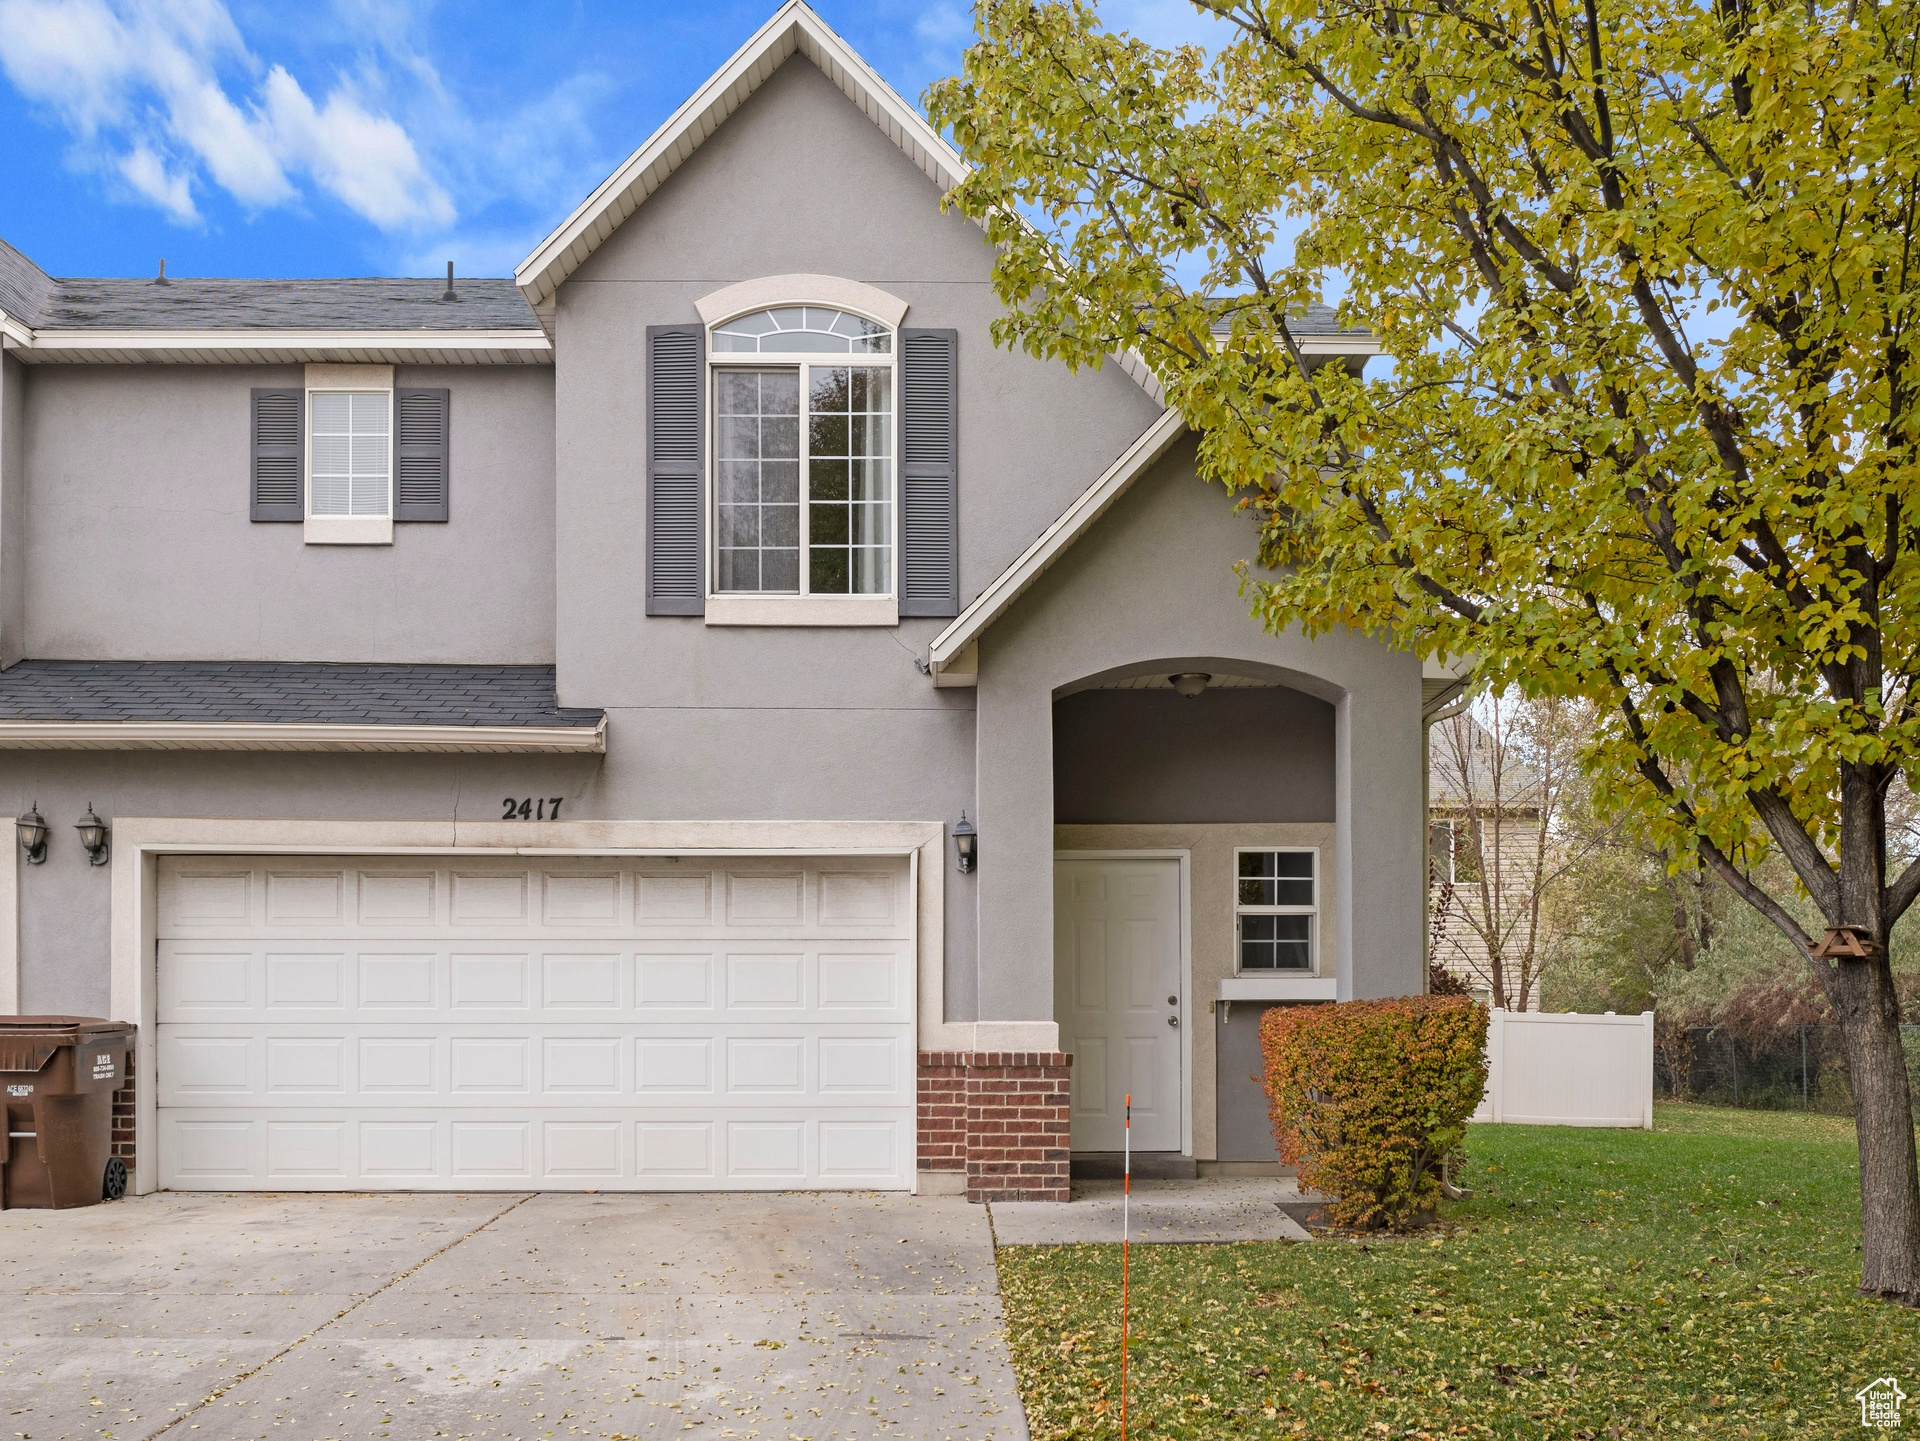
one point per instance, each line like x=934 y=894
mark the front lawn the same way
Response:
x=1693 y=1279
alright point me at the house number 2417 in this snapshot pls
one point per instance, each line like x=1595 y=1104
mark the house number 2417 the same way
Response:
x=547 y=809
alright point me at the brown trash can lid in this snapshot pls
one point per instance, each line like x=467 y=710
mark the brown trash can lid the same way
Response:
x=28 y=1042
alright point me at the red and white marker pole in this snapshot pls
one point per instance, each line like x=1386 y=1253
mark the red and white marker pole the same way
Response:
x=1126 y=1198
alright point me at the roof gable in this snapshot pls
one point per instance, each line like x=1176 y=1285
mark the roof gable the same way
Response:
x=25 y=289
x=950 y=646
x=793 y=27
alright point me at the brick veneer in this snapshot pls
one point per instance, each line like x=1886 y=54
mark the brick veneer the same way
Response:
x=999 y=1116
x=943 y=1111
x=123 y=1117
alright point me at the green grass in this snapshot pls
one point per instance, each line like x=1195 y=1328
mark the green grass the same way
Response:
x=1693 y=1280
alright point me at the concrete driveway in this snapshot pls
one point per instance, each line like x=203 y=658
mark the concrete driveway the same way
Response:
x=302 y=1316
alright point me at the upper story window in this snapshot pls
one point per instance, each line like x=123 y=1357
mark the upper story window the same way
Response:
x=349 y=454
x=803 y=491
x=791 y=329
x=1276 y=905
x=352 y=453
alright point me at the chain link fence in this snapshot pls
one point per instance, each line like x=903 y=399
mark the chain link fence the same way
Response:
x=1800 y=1068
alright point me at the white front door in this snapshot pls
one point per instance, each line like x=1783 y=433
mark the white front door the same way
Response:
x=1116 y=995
x=535 y=1023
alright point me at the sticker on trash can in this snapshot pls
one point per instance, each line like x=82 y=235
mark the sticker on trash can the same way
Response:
x=19 y=1090
x=103 y=1069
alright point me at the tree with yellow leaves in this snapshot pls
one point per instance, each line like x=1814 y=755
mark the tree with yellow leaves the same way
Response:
x=1644 y=276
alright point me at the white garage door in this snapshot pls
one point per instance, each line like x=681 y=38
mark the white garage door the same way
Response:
x=380 y=1023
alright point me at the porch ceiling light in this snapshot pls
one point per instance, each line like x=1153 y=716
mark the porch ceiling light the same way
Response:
x=1190 y=683
x=966 y=844
x=93 y=837
x=33 y=835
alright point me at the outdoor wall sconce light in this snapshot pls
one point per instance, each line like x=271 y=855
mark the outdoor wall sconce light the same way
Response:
x=966 y=844
x=33 y=835
x=1190 y=683
x=93 y=836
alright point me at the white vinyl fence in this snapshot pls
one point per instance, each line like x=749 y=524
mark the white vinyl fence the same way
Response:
x=1569 y=1070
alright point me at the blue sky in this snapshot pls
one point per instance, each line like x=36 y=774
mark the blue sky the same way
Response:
x=373 y=137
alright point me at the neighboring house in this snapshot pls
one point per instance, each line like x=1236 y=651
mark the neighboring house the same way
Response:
x=1487 y=864
x=533 y=721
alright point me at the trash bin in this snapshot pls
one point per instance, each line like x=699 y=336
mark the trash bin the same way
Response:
x=57 y=1079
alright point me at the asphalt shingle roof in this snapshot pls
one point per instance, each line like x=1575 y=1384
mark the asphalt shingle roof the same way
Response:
x=1316 y=319
x=24 y=287
x=43 y=302
x=289 y=693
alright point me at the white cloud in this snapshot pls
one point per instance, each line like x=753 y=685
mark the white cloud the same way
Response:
x=366 y=160
x=73 y=57
x=144 y=86
x=147 y=173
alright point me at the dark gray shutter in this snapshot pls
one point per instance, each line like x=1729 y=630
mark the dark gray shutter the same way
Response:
x=930 y=472
x=276 y=468
x=676 y=538
x=420 y=464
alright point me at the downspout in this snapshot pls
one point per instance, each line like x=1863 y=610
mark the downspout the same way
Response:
x=1427 y=721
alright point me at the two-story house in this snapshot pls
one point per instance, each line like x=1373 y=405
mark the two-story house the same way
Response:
x=529 y=723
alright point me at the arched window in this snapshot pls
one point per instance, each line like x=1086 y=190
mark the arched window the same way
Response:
x=791 y=329
x=803 y=495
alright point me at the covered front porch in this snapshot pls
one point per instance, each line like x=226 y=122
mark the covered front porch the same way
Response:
x=1123 y=806
x=1195 y=822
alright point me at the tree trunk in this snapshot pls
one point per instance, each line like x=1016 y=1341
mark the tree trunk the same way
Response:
x=1701 y=898
x=1868 y=1008
x=1682 y=923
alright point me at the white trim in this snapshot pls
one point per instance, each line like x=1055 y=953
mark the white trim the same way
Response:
x=1443 y=679
x=1279 y=988
x=348 y=529
x=1312 y=912
x=792 y=359
x=280 y=347
x=1187 y=1021
x=275 y=736
x=347 y=380
x=962 y=670
x=825 y=290
x=140 y=841
x=349 y=377
x=780 y=608
x=802 y=607
x=1350 y=343
x=1033 y=562
x=792 y=27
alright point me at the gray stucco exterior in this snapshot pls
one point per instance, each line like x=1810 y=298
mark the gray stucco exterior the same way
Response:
x=1151 y=590
x=705 y=720
x=1154 y=757
x=13 y=510
x=133 y=476
x=137 y=475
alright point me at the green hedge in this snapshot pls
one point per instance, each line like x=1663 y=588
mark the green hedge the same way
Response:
x=1368 y=1097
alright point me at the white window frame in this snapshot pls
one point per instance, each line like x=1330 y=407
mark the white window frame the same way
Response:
x=1440 y=866
x=346 y=529
x=1460 y=833
x=1312 y=912
x=800 y=607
